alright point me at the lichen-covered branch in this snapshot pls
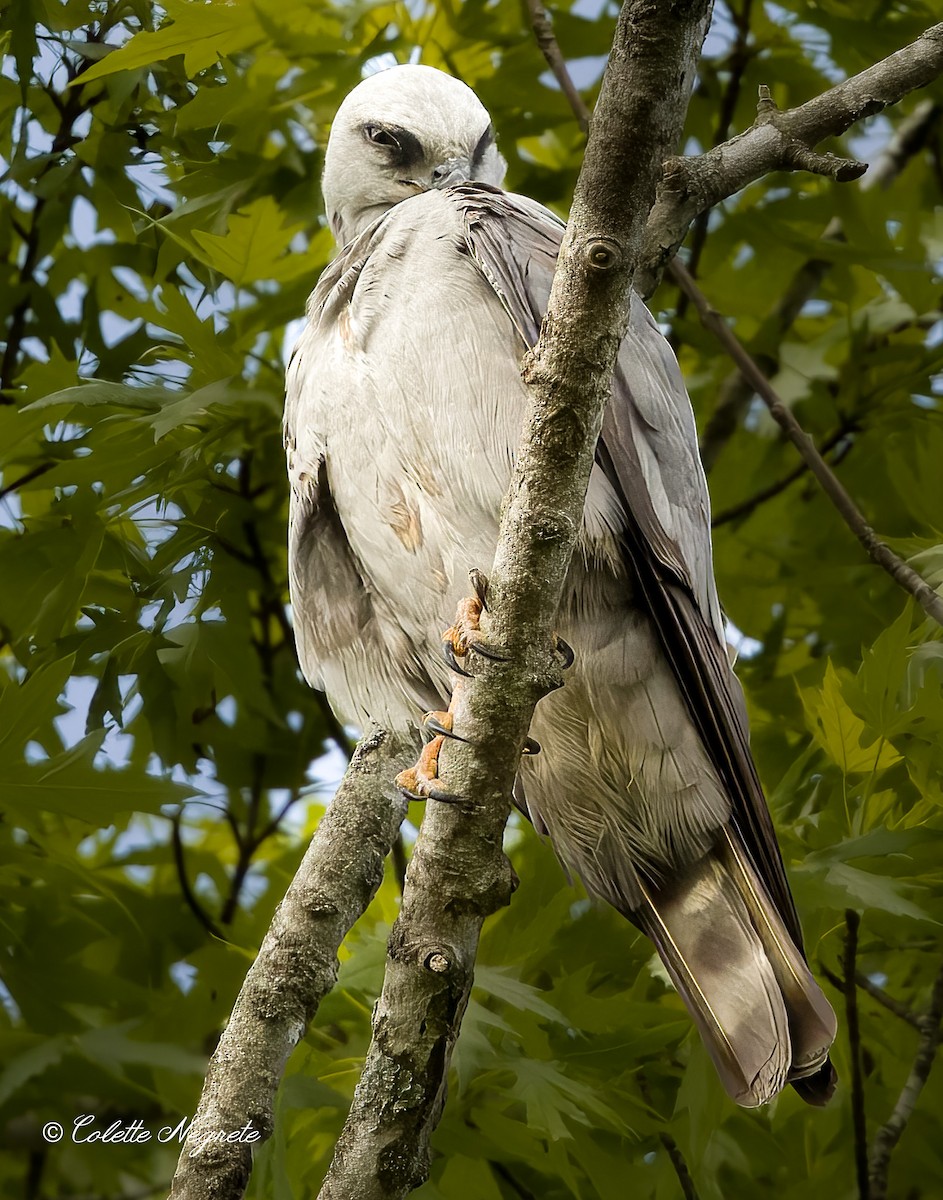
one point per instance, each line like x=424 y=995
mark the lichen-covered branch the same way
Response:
x=902 y=574
x=458 y=873
x=296 y=967
x=780 y=141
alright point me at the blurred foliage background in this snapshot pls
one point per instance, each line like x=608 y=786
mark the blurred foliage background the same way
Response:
x=161 y=763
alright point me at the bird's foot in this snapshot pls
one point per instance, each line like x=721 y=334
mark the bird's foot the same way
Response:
x=422 y=781
x=439 y=723
x=465 y=634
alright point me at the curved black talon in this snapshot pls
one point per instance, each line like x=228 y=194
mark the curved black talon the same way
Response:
x=448 y=653
x=432 y=794
x=479 y=582
x=487 y=651
x=429 y=722
x=531 y=746
x=444 y=797
x=566 y=652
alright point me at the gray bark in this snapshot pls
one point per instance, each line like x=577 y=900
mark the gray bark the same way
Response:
x=296 y=967
x=892 y=1130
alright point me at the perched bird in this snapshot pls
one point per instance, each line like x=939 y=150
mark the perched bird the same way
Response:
x=403 y=414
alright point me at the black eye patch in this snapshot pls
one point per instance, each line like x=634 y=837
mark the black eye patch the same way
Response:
x=404 y=150
x=486 y=140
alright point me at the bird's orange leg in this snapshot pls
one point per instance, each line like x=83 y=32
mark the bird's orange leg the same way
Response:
x=422 y=780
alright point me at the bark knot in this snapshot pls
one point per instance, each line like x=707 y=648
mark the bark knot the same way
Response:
x=602 y=254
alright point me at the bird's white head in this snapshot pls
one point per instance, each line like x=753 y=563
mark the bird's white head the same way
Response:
x=400 y=132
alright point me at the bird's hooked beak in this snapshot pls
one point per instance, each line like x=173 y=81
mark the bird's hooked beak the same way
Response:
x=450 y=172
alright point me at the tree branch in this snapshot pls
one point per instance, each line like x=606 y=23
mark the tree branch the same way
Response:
x=900 y=572
x=670 y=1146
x=878 y=993
x=28 y=477
x=75 y=104
x=890 y=1132
x=543 y=33
x=458 y=873
x=247 y=842
x=186 y=890
x=780 y=141
x=295 y=968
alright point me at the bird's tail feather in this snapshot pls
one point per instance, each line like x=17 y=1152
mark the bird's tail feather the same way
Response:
x=812 y=1024
x=760 y=1013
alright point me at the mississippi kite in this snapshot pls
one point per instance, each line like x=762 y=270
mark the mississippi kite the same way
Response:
x=404 y=409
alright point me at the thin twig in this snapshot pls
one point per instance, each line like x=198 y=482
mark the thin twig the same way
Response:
x=515 y=1184
x=858 y=1118
x=905 y=576
x=186 y=890
x=877 y=993
x=247 y=842
x=670 y=1146
x=736 y=392
x=673 y=1150
x=74 y=106
x=890 y=1132
x=543 y=32
x=891 y=1003
x=277 y=817
x=780 y=141
x=34 y=473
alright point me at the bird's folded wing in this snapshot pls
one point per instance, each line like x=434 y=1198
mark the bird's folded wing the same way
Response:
x=648 y=451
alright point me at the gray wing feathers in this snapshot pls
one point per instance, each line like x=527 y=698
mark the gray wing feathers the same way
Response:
x=648 y=454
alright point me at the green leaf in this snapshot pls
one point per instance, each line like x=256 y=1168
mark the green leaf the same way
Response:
x=502 y=983
x=253 y=244
x=70 y=784
x=101 y=392
x=839 y=731
x=28 y=707
x=201 y=33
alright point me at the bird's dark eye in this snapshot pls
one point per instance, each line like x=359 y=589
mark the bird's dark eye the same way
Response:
x=380 y=136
